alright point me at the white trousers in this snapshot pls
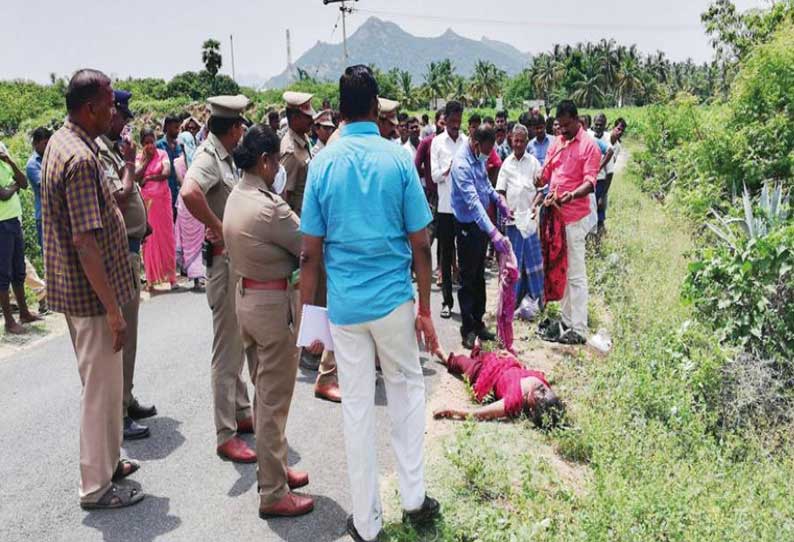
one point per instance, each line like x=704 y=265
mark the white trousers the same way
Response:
x=574 y=300
x=393 y=338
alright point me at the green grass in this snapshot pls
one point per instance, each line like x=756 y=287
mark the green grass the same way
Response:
x=658 y=465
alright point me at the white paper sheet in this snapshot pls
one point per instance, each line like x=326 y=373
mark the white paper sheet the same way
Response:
x=315 y=327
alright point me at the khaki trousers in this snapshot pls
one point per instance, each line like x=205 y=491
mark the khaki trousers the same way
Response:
x=130 y=313
x=100 y=406
x=269 y=342
x=229 y=392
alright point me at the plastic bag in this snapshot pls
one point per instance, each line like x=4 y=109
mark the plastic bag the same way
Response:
x=528 y=309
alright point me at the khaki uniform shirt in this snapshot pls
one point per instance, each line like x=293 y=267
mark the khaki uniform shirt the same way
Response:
x=133 y=210
x=295 y=157
x=214 y=170
x=262 y=234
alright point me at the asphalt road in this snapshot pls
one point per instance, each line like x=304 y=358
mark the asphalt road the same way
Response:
x=191 y=494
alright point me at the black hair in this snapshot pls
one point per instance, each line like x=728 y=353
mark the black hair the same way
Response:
x=452 y=108
x=537 y=120
x=220 y=126
x=273 y=115
x=40 y=134
x=358 y=92
x=475 y=119
x=488 y=120
x=510 y=125
x=83 y=87
x=170 y=119
x=601 y=115
x=550 y=125
x=524 y=119
x=500 y=129
x=146 y=132
x=439 y=113
x=501 y=115
x=621 y=120
x=402 y=117
x=259 y=139
x=567 y=108
x=425 y=118
x=547 y=413
x=411 y=120
x=484 y=134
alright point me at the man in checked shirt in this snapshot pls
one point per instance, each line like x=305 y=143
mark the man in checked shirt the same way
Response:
x=89 y=279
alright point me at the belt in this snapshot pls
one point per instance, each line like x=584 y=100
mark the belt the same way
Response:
x=277 y=284
x=217 y=250
x=134 y=244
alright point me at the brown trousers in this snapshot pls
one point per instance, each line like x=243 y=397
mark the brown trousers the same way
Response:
x=269 y=342
x=100 y=371
x=229 y=391
x=130 y=313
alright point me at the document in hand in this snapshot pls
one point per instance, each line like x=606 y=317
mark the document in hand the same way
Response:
x=315 y=327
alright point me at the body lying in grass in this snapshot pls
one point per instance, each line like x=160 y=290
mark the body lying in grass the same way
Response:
x=517 y=389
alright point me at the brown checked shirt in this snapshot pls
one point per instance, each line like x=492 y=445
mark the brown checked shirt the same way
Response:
x=75 y=199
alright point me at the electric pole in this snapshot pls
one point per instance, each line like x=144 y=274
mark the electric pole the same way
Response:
x=231 y=42
x=344 y=10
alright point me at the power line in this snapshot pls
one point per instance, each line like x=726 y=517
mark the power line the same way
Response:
x=544 y=23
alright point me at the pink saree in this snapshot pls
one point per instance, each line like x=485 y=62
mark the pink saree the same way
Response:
x=159 y=252
x=188 y=232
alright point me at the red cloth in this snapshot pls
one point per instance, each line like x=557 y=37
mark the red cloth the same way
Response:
x=506 y=301
x=495 y=372
x=555 y=254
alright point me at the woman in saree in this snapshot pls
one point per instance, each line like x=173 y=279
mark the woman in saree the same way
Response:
x=152 y=168
x=188 y=231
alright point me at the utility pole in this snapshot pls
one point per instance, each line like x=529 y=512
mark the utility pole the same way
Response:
x=344 y=10
x=289 y=52
x=231 y=42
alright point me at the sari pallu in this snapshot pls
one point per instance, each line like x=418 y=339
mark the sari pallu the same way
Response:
x=159 y=250
x=189 y=233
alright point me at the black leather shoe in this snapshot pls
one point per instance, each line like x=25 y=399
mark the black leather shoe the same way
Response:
x=351 y=530
x=469 y=340
x=133 y=430
x=486 y=335
x=137 y=411
x=427 y=513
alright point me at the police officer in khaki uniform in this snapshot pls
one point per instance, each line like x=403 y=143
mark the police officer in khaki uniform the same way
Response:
x=117 y=156
x=208 y=183
x=295 y=157
x=263 y=240
x=387 y=118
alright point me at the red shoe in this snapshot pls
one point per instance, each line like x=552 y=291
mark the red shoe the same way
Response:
x=290 y=505
x=246 y=425
x=329 y=392
x=296 y=478
x=236 y=451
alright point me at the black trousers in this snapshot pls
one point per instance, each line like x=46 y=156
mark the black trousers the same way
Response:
x=472 y=246
x=445 y=233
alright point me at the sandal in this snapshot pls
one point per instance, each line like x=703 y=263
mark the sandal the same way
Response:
x=125 y=468
x=553 y=332
x=446 y=312
x=115 y=497
x=570 y=337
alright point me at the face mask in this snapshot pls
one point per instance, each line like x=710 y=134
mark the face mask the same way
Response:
x=280 y=182
x=482 y=157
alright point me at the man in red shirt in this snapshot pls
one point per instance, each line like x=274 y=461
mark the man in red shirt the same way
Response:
x=571 y=169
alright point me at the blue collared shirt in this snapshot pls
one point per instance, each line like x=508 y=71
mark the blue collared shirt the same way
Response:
x=33 y=171
x=471 y=190
x=539 y=150
x=364 y=198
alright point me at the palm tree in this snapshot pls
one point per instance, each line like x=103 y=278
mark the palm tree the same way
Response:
x=486 y=82
x=439 y=77
x=211 y=57
x=628 y=80
x=406 y=89
x=546 y=73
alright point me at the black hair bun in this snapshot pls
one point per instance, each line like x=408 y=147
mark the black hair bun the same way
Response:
x=244 y=157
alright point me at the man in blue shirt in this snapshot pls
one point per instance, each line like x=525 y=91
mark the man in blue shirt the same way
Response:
x=539 y=146
x=41 y=136
x=365 y=213
x=171 y=146
x=472 y=192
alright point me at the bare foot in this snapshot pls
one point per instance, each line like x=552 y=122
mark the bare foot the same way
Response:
x=15 y=328
x=30 y=318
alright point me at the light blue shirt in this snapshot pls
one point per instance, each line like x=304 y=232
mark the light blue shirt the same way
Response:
x=539 y=150
x=471 y=190
x=33 y=171
x=363 y=196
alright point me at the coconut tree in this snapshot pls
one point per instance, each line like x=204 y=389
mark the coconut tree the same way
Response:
x=486 y=81
x=211 y=57
x=628 y=80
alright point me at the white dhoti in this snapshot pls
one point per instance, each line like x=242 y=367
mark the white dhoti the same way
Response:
x=393 y=338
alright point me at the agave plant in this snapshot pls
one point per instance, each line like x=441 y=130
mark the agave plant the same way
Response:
x=771 y=212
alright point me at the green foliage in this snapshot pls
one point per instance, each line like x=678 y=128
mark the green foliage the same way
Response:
x=211 y=56
x=22 y=100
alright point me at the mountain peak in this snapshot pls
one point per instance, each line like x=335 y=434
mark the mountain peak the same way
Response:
x=449 y=33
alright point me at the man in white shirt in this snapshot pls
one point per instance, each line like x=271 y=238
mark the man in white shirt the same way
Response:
x=412 y=126
x=443 y=149
x=517 y=183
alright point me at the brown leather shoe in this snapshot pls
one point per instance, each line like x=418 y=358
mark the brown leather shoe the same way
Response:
x=289 y=505
x=236 y=451
x=297 y=478
x=246 y=425
x=329 y=392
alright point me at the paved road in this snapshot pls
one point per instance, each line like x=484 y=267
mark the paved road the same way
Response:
x=191 y=494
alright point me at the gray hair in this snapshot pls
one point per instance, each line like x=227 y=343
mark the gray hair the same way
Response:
x=520 y=129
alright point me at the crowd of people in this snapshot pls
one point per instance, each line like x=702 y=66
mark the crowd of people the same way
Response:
x=331 y=209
